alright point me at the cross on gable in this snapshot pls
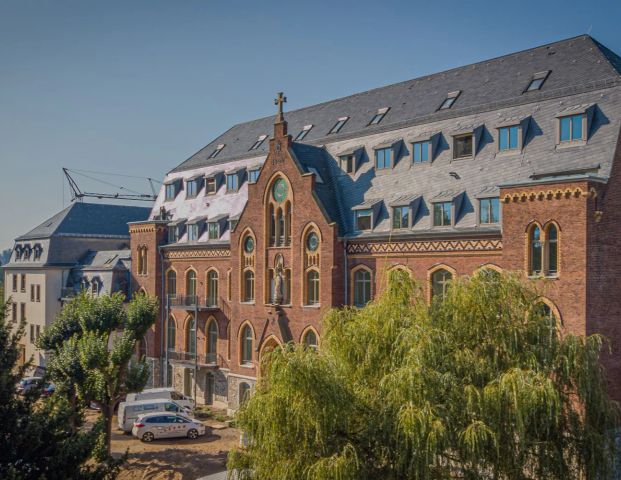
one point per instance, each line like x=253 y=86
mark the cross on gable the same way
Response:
x=280 y=100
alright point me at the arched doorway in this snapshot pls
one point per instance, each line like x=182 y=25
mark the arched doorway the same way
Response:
x=269 y=345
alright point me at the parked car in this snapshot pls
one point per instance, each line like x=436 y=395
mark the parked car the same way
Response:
x=167 y=393
x=130 y=411
x=28 y=383
x=156 y=425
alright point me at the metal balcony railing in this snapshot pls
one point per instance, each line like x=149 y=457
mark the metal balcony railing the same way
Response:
x=181 y=356
x=194 y=301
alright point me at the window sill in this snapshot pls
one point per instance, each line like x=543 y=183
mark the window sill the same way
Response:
x=247 y=365
x=246 y=303
x=509 y=153
x=570 y=144
x=315 y=307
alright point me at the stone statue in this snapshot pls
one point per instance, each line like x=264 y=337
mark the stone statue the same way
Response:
x=279 y=281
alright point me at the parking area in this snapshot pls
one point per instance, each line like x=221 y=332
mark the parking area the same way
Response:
x=177 y=458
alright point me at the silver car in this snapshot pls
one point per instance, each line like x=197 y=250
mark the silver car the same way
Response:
x=166 y=425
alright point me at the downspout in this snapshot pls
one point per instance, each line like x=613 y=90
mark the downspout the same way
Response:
x=346 y=273
x=195 y=346
x=164 y=316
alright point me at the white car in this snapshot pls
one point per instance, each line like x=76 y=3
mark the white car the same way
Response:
x=166 y=425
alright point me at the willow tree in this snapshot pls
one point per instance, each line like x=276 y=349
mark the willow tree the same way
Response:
x=480 y=384
x=93 y=341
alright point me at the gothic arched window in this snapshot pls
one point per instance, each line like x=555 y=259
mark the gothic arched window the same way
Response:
x=190 y=339
x=310 y=339
x=440 y=282
x=312 y=287
x=552 y=249
x=190 y=284
x=212 y=288
x=535 y=250
x=212 y=341
x=362 y=287
x=248 y=286
x=246 y=340
x=171 y=284
x=171 y=333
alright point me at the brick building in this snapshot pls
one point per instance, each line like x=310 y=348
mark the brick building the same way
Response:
x=512 y=163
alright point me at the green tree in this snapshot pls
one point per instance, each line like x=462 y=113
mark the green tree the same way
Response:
x=478 y=385
x=36 y=441
x=93 y=340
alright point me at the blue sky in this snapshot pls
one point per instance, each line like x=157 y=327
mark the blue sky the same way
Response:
x=137 y=87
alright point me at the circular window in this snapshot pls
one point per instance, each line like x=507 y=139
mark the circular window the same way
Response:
x=312 y=241
x=279 y=191
x=249 y=244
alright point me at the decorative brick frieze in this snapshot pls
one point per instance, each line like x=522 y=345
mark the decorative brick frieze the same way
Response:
x=456 y=246
x=200 y=253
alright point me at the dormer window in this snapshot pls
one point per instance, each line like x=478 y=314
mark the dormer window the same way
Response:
x=210 y=185
x=303 y=132
x=216 y=152
x=462 y=146
x=170 y=191
x=338 y=125
x=489 y=211
x=536 y=81
x=364 y=219
x=191 y=188
x=421 y=151
x=347 y=163
x=193 y=232
x=213 y=229
x=509 y=138
x=383 y=158
x=449 y=100
x=253 y=175
x=173 y=234
x=379 y=116
x=571 y=128
x=400 y=217
x=232 y=182
x=442 y=214
x=259 y=142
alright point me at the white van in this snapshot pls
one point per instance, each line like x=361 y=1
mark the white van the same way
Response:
x=130 y=411
x=162 y=393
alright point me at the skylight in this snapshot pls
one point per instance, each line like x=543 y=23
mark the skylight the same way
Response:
x=218 y=149
x=449 y=100
x=259 y=142
x=537 y=81
x=379 y=116
x=338 y=125
x=303 y=132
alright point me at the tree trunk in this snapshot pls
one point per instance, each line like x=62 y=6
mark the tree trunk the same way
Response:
x=108 y=412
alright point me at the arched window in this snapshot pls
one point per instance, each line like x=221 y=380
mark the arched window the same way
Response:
x=310 y=339
x=171 y=333
x=280 y=227
x=440 y=282
x=248 y=286
x=94 y=287
x=190 y=284
x=272 y=219
x=535 y=251
x=171 y=284
x=190 y=336
x=244 y=392
x=362 y=287
x=312 y=287
x=140 y=261
x=552 y=249
x=246 y=345
x=212 y=288
x=212 y=341
x=288 y=223
x=144 y=260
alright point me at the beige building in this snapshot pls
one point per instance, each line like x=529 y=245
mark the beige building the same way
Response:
x=82 y=247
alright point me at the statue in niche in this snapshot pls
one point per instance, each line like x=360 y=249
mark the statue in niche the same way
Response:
x=279 y=281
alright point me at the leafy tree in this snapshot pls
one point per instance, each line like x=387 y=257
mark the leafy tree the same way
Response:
x=478 y=385
x=94 y=340
x=36 y=441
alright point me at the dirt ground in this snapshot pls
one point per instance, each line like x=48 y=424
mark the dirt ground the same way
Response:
x=174 y=458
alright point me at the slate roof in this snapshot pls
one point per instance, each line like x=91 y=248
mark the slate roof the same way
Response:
x=584 y=76
x=106 y=260
x=576 y=64
x=89 y=220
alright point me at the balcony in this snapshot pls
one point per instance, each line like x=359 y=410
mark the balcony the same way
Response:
x=203 y=360
x=192 y=302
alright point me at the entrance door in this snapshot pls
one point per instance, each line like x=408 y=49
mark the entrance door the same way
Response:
x=209 y=388
x=188 y=382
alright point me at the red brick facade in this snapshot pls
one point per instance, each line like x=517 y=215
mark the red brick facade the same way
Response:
x=589 y=274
